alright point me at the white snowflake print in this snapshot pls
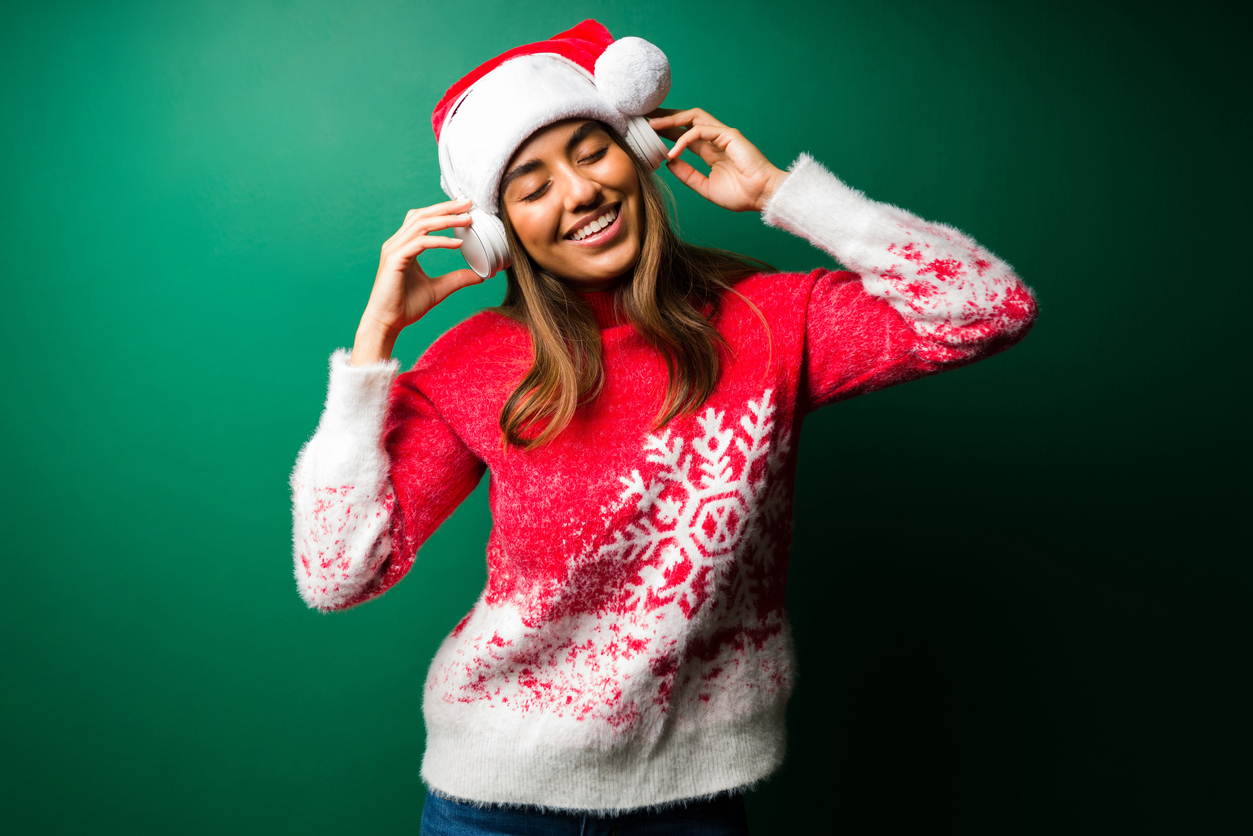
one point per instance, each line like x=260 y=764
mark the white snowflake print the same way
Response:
x=695 y=511
x=699 y=607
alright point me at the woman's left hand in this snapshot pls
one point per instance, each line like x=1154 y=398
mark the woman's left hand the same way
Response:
x=740 y=177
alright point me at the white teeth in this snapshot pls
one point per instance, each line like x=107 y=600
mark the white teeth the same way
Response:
x=596 y=225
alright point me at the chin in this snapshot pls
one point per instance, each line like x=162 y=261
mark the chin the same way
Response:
x=596 y=272
x=610 y=272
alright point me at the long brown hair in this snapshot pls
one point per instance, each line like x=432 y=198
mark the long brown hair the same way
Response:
x=661 y=297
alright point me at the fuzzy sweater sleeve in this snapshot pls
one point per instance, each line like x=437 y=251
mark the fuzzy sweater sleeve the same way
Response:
x=351 y=542
x=921 y=297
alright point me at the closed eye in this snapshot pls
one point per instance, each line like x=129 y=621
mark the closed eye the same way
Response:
x=536 y=194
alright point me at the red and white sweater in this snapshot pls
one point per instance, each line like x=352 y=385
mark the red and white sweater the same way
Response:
x=632 y=645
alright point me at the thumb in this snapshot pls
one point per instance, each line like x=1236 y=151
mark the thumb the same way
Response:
x=689 y=176
x=463 y=278
x=450 y=283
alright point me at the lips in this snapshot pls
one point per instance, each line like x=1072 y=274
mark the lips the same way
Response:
x=586 y=227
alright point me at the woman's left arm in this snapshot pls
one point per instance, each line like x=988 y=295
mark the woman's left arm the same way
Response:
x=958 y=300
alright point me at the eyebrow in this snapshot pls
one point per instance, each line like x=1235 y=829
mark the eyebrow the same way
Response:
x=580 y=133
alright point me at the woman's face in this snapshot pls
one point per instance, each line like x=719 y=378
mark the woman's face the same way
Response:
x=564 y=178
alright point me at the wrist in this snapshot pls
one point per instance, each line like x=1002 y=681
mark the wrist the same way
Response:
x=373 y=343
x=383 y=326
x=776 y=180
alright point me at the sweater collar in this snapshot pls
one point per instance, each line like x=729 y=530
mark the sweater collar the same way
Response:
x=602 y=304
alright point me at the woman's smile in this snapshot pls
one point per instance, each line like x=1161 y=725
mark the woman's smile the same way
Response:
x=600 y=230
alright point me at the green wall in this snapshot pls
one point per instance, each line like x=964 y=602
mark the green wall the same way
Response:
x=1017 y=589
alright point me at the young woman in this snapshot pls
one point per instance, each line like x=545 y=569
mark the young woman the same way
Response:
x=637 y=402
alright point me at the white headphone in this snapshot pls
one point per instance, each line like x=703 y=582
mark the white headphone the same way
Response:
x=485 y=247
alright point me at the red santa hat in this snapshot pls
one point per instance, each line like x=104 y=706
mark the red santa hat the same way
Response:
x=582 y=72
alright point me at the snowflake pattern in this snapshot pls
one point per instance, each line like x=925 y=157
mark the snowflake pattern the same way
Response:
x=693 y=514
x=697 y=611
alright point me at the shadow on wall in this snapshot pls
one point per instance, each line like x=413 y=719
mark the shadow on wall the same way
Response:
x=931 y=692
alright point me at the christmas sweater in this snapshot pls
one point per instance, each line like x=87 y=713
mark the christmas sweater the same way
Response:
x=631 y=646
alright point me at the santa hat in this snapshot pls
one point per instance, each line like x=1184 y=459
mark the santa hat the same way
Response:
x=582 y=72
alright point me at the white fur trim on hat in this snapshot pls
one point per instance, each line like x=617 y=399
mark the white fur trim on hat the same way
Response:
x=502 y=110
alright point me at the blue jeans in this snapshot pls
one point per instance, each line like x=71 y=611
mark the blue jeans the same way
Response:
x=723 y=815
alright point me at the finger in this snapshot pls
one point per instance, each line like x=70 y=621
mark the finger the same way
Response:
x=459 y=278
x=449 y=283
x=715 y=134
x=414 y=220
x=689 y=176
x=434 y=222
x=448 y=207
x=669 y=118
x=420 y=225
x=691 y=116
x=670 y=133
x=661 y=124
x=706 y=150
x=414 y=247
x=686 y=139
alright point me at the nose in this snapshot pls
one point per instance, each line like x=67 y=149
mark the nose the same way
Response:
x=580 y=190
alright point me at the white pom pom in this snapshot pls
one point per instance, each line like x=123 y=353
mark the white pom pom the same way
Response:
x=633 y=76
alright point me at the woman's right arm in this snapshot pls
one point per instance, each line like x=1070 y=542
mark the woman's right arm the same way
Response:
x=358 y=515
x=351 y=541
x=403 y=292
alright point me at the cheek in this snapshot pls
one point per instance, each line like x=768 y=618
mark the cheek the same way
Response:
x=534 y=227
x=629 y=183
x=628 y=177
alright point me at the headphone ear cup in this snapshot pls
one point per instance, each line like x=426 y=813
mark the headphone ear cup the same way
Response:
x=645 y=142
x=485 y=247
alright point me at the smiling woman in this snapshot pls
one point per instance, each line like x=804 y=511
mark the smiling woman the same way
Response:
x=637 y=401
x=583 y=216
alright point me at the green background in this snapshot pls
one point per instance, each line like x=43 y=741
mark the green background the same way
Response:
x=1018 y=593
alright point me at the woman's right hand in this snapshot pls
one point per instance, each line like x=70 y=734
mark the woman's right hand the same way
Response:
x=403 y=292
